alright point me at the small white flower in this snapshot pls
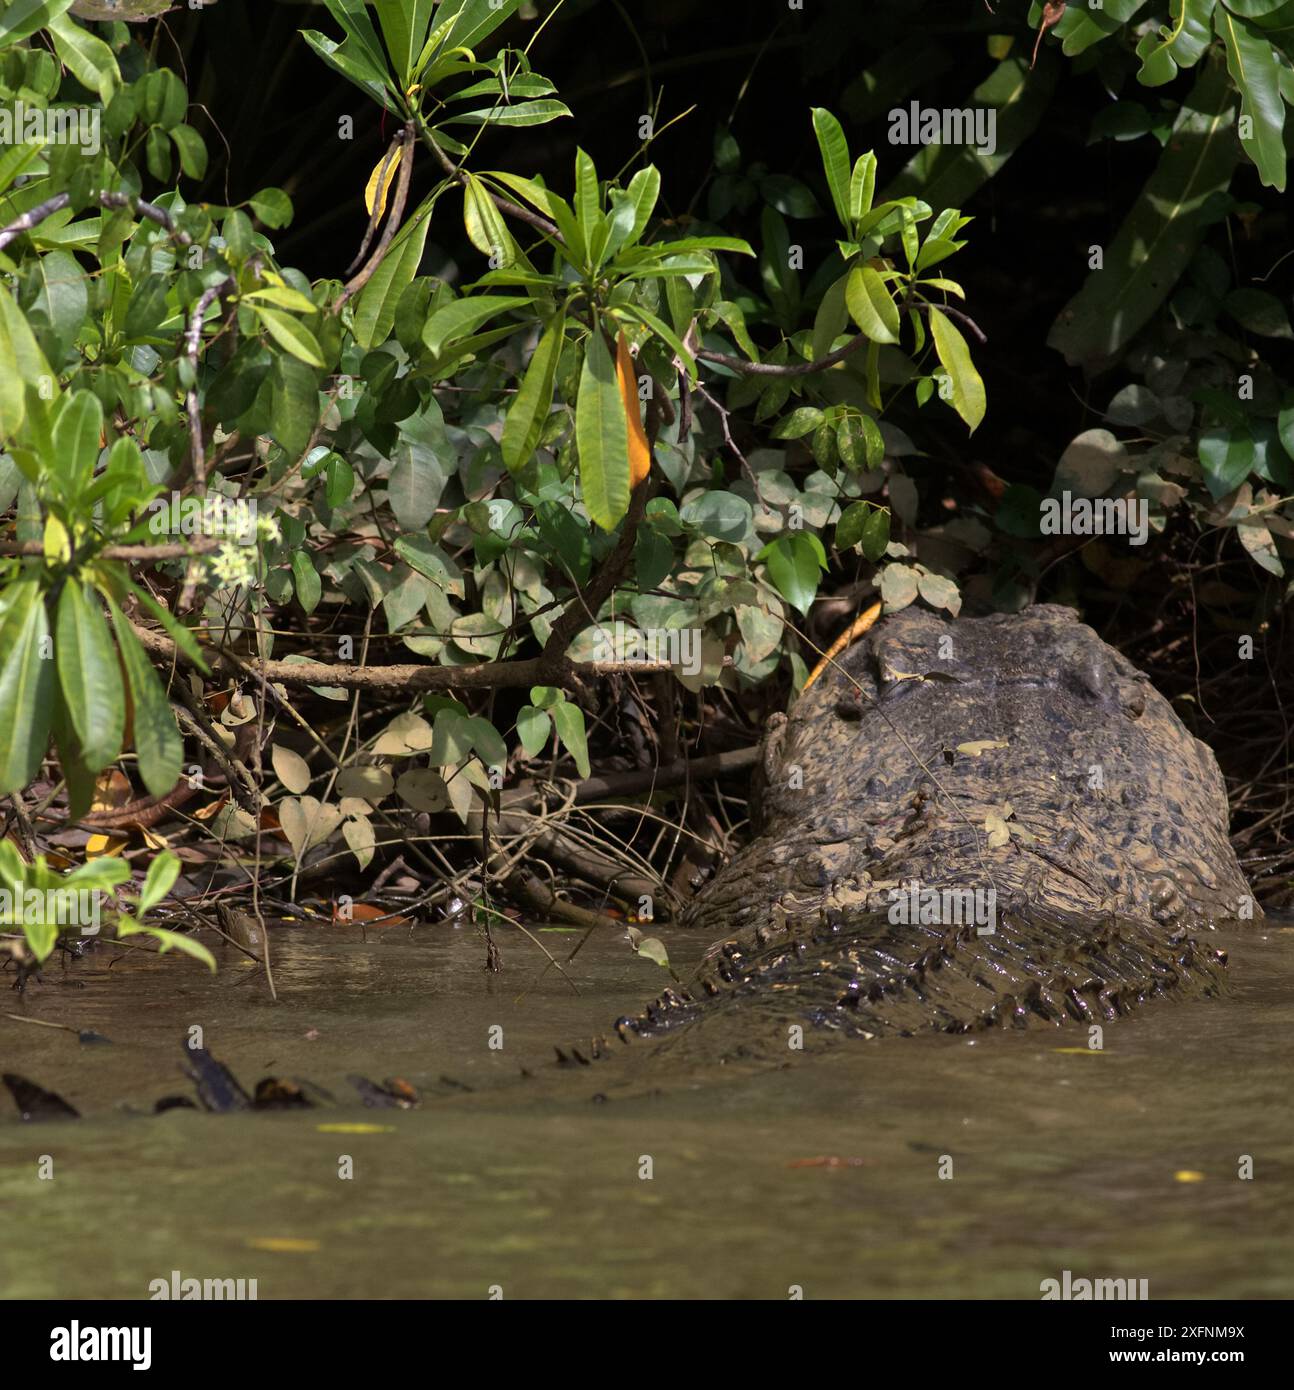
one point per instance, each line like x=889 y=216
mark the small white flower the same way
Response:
x=231 y=566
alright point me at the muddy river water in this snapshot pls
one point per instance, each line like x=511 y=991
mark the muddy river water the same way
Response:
x=926 y=1167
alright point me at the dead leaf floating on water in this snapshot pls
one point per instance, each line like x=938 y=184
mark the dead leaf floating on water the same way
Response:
x=982 y=745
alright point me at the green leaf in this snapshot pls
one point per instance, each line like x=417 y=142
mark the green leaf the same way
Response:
x=90 y=676
x=192 y=151
x=594 y=228
x=404 y=27
x=486 y=229
x=644 y=190
x=865 y=524
x=862 y=186
x=339 y=481
x=533 y=729
x=871 y=306
x=530 y=409
x=306 y=579
x=291 y=334
x=720 y=515
x=602 y=435
x=1016 y=98
x=1226 y=456
x=168 y=941
x=77 y=432
x=1159 y=236
x=414 y=487
x=378 y=301
x=477 y=19
x=147 y=308
x=273 y=207
x=860 y=442
x=352 y=15
x=355 y=66
x=835 y=162
x=26 y=685
x=22 y=365
x=789 y=196
x=162 y=873
x=1259 y=312
x=1162 y=52
x=568 y=719
x=652 y=948
x=157 y=740
x=795 y=564
x=521 y=113
x=22 y=18
x=1256 y=68
x=91 y=61
x=464 y=316
x=968 y=387
x=802 y=420
x=63 y=296
x=294 y=403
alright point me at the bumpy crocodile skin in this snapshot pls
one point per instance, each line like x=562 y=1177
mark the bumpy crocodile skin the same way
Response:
x=1015 y=755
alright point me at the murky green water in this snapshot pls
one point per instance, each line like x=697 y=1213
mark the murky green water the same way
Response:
x=1122 y=1163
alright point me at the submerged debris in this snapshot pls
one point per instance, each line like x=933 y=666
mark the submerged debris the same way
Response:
x=35 y=1102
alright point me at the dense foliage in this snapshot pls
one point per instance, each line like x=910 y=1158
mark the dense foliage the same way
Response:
x=605 y=424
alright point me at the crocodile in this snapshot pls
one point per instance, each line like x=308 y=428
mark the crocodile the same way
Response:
x=977 y=823
x=967 y=823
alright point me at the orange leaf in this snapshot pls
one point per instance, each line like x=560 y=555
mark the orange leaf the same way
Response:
x=639 y=449
x=206 y=812
x=366 y=912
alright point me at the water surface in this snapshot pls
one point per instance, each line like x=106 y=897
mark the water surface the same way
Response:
x=822 y=1175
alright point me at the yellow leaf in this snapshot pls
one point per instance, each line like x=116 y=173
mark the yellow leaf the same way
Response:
x=104 y=846
x=982 y=745
x=58 y=546
x=291 y=1245
x=639 y=449
x=381 y=181
x=355 y=1128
